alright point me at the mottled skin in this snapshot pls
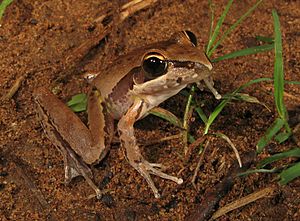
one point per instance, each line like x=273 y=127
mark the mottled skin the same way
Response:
x=124 y=91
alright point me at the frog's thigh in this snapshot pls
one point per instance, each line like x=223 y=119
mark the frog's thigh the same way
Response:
x=65 y=130
x=101 y=124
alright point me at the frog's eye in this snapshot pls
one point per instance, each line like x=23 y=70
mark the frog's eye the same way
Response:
x=191 y=36
x=154 y=64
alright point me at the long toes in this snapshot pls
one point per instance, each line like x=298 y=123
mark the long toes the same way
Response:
x=158 y=165
x=144 y=172
x=165 y=176
x=145 y=169
x=152 y=170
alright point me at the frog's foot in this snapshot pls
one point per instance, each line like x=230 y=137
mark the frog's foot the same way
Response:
x=145 y=169
x=74 y=166
x=210 y=85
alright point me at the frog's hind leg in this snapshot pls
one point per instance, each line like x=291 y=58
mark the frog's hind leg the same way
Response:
x=72 y=138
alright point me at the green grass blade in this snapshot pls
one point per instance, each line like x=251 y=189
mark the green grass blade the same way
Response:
x=270 y=133
x=274 y=170
x=3 y=6
x=214 y=114
x=247 y=98
x=186 y=118
x=187 y=108
x=278 y=69
x=283 y=136
x=166 y=115
x=191 y=138
x=246 y=51
x=292 y=82
x=232 y=27
x=201 y=114
x=290 y=174
x=255 y=81
x=212 y=18
x=279 y=156
x=265 y=39
x=218 y=27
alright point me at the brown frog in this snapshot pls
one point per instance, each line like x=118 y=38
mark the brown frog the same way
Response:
x=125 y=91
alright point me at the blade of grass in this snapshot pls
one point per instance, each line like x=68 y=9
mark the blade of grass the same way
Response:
x=232 y=27
x=3 y=6
x=212 y=18
x=270 y=133
x=290 y=174
x=265 y=39
x=255 y=81
x=278 y=69
x=247 y=98
x=279 y=156
x=187 y=107
x=166 y=115
x=214 y=114
x=246 y=51
x=218 y=27
x=186 y=117
x=201 y=114
x=283 y=136
x=191 y=138
x=292 y=82
x=274 y=170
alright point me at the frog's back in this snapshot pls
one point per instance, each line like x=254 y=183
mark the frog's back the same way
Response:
x=109 y=78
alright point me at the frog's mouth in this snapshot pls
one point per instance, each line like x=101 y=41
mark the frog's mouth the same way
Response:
x=178 y=76
x=184 y=73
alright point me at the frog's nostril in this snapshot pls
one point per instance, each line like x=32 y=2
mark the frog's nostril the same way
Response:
x=179 y=80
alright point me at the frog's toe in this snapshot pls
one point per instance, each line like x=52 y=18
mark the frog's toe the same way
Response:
x=145 y=169
x=74 y=167
x=158 y=165
x=163 y=175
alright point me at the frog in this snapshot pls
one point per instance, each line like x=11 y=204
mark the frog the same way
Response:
x=120 y=95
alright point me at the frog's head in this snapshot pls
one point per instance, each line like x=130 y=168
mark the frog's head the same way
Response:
x=171 y=65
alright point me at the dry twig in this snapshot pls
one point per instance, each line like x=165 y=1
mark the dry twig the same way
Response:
x=243 y=201
x=14 y=88
x=200 y=163
x=172 y=137
x=17 y=84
